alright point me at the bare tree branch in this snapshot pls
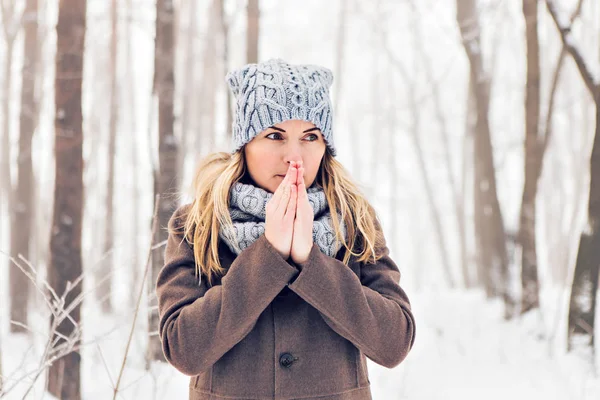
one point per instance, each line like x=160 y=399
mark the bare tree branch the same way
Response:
x=565 y=35
x=555 y=80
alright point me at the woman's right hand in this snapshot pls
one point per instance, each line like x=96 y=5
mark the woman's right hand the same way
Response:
x=281 y=212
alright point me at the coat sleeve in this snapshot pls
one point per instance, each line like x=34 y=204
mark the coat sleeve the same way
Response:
x=197 y=324
x=373 y=311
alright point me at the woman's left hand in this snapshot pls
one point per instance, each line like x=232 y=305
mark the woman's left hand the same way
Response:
x=302 y=238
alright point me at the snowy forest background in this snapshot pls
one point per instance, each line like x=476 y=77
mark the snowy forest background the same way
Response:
x=471 y=125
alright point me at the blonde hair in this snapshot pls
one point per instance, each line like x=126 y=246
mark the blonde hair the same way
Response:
x=210 y=210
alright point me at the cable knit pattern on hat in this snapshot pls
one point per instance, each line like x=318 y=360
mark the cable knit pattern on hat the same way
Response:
x=274 y=91
x=247 y=207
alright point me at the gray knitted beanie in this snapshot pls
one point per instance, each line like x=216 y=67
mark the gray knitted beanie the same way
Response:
x=274 y=91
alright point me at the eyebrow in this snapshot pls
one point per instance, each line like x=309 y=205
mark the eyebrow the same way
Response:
x=306 y=131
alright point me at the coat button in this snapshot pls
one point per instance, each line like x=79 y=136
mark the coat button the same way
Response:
x=286 y=360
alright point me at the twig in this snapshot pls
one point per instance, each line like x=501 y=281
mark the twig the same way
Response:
x=28 y=275
x=565 y=32
x=112 y=384
x=139 y=299
x=555 y=79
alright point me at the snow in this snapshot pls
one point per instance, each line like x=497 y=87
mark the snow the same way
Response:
x=463 y=350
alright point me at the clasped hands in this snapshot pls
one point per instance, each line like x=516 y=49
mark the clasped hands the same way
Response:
x=289 y=217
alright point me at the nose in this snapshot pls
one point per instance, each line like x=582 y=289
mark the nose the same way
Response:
x=292 y=152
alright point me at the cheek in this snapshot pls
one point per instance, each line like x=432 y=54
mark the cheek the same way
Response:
x=312 y=162
x=256 y=159
x=311 y=168
x=262 y=166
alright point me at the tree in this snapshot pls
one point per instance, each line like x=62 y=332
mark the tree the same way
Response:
x=65 y=266
x=533 y=162
x=489 y=225
x=1 y=371
x=135 y=193
x=165 y=176
x=253 y=31
x=340 y=47
x=415 y=133
x=456 y=199
x=10 y=23
x=189 y=79
x=207 y=85
x=104 y=289
x=224 y=25
x=561 y=242
x=582 y=305
x=22 y=210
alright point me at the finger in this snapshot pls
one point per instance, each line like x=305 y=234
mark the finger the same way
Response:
x=293 y=172
x=303 y=194
x=277 y=196
x=291 y=208
x=287 y=183
x=290 y=179
x=285 y=198
x=290 y=176
x=301 y=184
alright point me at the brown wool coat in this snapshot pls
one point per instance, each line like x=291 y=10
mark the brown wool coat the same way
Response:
x=272 y=330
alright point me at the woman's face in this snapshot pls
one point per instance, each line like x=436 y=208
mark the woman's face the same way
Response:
x=268 y=154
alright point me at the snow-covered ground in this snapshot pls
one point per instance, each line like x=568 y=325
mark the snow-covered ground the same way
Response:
x=464 y=350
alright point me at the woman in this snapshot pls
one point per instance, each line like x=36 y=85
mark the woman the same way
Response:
x=265 y=295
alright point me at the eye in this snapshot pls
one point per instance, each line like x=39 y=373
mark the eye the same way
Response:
x=310 y=138
x=273 y=133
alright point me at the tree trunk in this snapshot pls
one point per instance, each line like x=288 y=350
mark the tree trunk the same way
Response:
x=253 y=31
x=580 y=172
x=167 y=154
x=377 y=121
x=562 y=241
x=104 y=289
x=389 y=152
x=225 y=64
x=340 y=47
x=417 y=243
x=533 y=163
x=582 y=305
x=65 y=242
x=206 y=133
x=1 y=371
x=188 y=101
x=415 y=133
x=135 y=195
x=478 y=273
x=93 y=185
x=456 y=199
x=21 y=212
x=492 y=239
x=39 y=239
x=5 y=165
x=433 y=209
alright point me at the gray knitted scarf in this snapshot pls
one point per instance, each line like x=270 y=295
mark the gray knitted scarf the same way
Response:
x=247 y=207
